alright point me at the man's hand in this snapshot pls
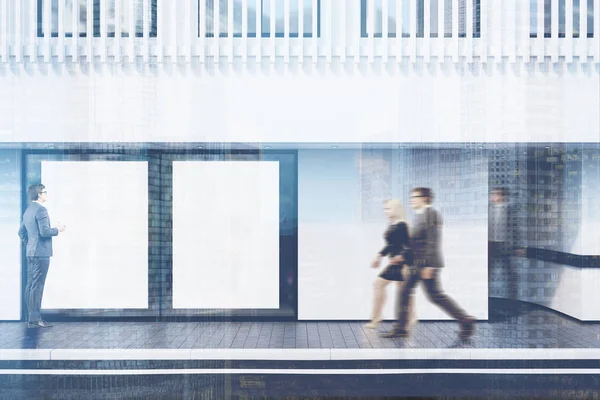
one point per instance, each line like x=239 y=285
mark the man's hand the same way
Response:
x=427 y=273
x=376 y=262
x=396 y=259
x=406 y=272
x=61 y=227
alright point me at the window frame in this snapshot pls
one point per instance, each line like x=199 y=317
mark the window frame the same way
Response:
x=263 y=34
x=96 y=12
x=420 y=23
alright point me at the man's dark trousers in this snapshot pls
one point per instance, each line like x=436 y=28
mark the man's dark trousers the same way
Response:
x=37 y=270
x=435 y=294
x=499 y=261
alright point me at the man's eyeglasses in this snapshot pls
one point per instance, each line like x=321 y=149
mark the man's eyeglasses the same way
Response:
x=416 y=196
x=44 y=192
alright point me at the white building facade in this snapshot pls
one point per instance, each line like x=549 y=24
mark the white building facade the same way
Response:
x=356 y=101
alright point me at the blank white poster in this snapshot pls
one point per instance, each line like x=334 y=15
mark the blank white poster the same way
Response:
x=101 y=260
x=225 y=234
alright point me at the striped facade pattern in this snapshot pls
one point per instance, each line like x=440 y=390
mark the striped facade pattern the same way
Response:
x=176 y=31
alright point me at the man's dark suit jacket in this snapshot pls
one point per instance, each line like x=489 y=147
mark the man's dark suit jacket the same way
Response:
x=426 y=239
x=511 y=227
x=35 y=231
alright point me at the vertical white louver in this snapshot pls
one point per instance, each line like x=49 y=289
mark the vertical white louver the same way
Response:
x=468 y=45
x=202 y=17
x=412 y=40
x=286 y=31
x=596 y=41
x=583 y=12
x=539 y=42
x=399 y=30
x=441 y=14
x=187 y=31
x=301 y=30
x=118 y=29
x=509 y=29
x=258 y=30
x=244 y=48
x=496 y=30
x=18 y=34
x=33 y=13
x=146 y=29
x=216 y=29
x=426 y=30
x=131 y=31
x=384 y=29
x=554 y=50
x=315 y=38
x=173 y=41
x=339 y=45
x=370 y=29
x=484 y=31
x=272 y=30
x=454 y=40
x=47 y=27
x=4 y=42
x=230 y=31
x=103 y=29
x=160 y=28
x=523 y=29
x=89 y=30
x=568 y=39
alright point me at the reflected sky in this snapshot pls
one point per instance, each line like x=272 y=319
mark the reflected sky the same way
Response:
x=253 y=8
x=264 y=7
x=406 y=14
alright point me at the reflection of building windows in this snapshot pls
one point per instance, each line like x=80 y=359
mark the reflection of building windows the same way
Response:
x=264 y=7
x=547 y=23
x=79 y=7
x=404 y=25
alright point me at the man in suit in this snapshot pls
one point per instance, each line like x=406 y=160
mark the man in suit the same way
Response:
x=36 y=234
x=504 y=239
x=425 y=239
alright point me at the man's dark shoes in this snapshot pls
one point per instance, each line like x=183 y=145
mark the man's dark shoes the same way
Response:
x=467 y=328
x=39 y=324
x=398 y=333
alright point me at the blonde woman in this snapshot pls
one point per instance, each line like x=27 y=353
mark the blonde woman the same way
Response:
x=396 y=244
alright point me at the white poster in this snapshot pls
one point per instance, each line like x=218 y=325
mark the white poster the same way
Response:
x=101 y=260
x=225 y=234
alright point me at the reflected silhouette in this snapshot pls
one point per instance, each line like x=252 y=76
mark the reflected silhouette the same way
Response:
x=462 y=344
x=31 y=337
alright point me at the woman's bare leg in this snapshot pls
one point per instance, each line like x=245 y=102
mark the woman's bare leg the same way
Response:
x=379 y=296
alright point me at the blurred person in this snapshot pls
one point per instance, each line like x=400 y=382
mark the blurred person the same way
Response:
x=396 y=244
x=503 y=239
x=36 y=234
x=426 y=239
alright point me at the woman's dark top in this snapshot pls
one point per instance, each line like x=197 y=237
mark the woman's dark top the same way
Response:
x=396 y=243
x=396 y=240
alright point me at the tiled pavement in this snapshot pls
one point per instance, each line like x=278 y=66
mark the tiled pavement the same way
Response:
x=525 y=326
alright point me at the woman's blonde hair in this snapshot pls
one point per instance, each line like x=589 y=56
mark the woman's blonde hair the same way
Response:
x=397 y=209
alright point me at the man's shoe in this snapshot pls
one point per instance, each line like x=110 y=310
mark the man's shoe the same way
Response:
x=467 y=328
x=39 y=324
x=395 y=334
